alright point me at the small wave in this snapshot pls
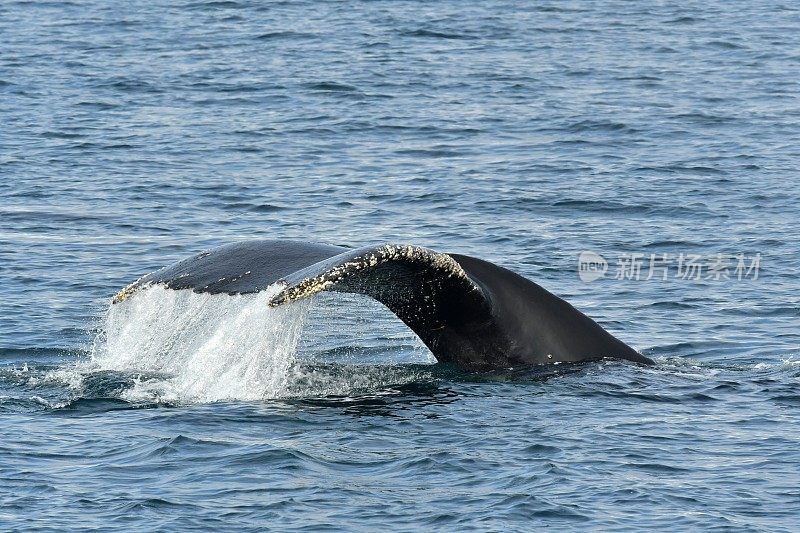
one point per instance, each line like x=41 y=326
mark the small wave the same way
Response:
x=50 y=216
x=129 y=85
x=791 y=400
x=254 y=207
x=62 y=135
x=215 y=4
x=429 y=153
x=667 y=304
x=599 y=125
x=433 y=34
x=267 y=208
x=36 y=353
x=658 y=468
x=99 y=106
x=284 y=36
x=764 y=311
x=98 y=405
x=699 y=117
x=725 y=45
x=542 y=449
x=684 y=20
x=669 y=243
x=146 y=504
x=610 y=206
x=331 y=86
x=545 y=8
x=687 y=170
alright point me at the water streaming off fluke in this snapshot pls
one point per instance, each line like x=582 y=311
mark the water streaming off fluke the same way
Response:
x=208 y=347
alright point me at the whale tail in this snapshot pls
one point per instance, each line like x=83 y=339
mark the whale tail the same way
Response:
x=469 y=312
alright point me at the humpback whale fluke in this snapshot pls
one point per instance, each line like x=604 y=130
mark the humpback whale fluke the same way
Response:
x=469 y=312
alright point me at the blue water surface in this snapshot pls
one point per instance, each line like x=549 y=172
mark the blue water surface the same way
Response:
x=136 y=133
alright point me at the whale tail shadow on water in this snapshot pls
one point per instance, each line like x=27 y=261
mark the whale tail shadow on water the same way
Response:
x=469 y=312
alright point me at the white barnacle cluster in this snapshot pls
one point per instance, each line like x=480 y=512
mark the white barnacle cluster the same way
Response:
x=127 y=291
x=136 y=286
x=303 y=289
x=437 y=261
x=414 y=254
x=383 y=254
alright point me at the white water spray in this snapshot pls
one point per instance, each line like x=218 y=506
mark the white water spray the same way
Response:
x=208 y=347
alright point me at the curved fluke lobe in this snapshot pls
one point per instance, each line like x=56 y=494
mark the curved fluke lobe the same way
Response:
x=336 y=272
x=240 y=268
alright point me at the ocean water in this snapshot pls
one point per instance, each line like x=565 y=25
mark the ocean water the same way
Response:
x=134 y=134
